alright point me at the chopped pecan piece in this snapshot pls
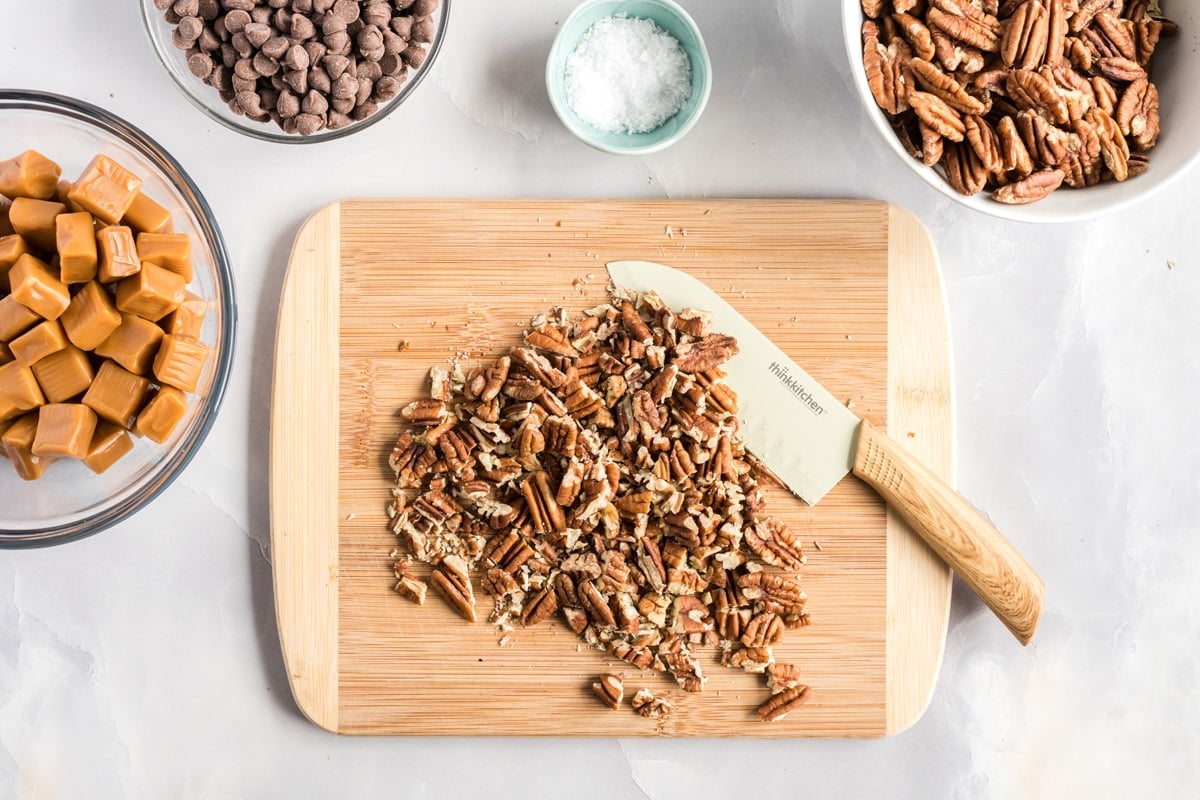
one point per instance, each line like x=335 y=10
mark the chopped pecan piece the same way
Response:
x=610 y=689
x=648 y=705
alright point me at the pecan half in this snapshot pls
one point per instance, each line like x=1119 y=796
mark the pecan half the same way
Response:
x=964 y=171
x=946 y=87
x=1030 y=189
x=704 y=354
x=1014 y=157
x=784 y=703
x=539 y=608
x=1027 y=36
x=1137 y=114
x=452 y=578
x=938 y=115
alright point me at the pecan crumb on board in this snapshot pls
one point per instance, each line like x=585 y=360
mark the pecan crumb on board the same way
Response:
x=595 y=473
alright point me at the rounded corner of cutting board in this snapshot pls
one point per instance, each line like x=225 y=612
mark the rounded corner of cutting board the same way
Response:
x=304 y=525
x=921 y=401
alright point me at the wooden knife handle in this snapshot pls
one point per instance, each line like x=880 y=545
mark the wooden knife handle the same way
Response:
x=955 y=529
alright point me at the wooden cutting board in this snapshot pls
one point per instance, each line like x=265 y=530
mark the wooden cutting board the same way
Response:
x=851 y=290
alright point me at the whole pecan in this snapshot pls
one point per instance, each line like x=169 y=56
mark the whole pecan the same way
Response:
x=1030 y=189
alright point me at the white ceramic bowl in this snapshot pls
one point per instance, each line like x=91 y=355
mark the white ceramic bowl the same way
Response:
x=1177 y=75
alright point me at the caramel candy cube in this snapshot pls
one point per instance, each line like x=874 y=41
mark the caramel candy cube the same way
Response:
x=12 y=247
x=109 y=443
x=133 y=345
x=15 y=319
x=91 y=317
x=64 y=430
x=147 y=216
x=76 y=238
x=6 y=354
x=19 y=391
x=188 y=319
x=39 y=342
x=152 y=293
x=118 y=253
x=5 y=225
x=60 y=194
x=37 y=288
x=106 y=189
x=170 y=250
x=34 y=220
x=65 y=374
x=179 y=362
x=30 y=174
x=160 y=416
x=117 y=394
x=17 y=443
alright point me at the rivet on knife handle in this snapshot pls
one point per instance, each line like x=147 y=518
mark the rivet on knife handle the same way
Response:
x=955 y=529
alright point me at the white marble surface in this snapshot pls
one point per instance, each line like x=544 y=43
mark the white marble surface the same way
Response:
x=143 y=662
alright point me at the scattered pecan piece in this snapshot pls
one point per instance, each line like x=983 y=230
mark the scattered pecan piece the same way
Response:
x=784 y=703
x=610 y=689
x=452 y=578
x=648 y=705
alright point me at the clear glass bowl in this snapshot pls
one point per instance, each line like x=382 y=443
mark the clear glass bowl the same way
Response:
x=206 y=98
x=69 y=502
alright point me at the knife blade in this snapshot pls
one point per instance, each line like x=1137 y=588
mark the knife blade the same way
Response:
x=811 y=441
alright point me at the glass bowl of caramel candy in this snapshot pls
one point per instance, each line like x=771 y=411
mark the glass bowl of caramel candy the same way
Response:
x=117 y=319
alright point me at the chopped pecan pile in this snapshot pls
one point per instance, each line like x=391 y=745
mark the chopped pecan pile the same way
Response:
x=596 y=473
x=1018 y=96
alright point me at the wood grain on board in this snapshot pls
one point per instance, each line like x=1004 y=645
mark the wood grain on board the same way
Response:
x=850 y=290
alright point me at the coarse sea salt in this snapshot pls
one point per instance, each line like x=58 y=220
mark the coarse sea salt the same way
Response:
x=627 y=75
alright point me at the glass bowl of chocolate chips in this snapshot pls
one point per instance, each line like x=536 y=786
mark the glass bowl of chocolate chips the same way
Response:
x=297 y=71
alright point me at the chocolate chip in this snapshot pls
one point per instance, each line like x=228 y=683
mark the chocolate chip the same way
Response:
x=275 y=47
x=386 y=88
x=297 y=80
x=345 y=86
x=319 y=80
x=332 y=23
x=335 y=65
x=423 y=8
x=393 y=44
x=337 y=120
x=338 y=43
x=308 y=124
x=423 y=31
x=288 y=105
x=244 y=69
x=296 y=58
x=414 y=56
x=377 y=14
x=347 y=10
x=302 y=27
x=402 y=27
x=186 y=8
x=314 y=103
x=200 y=64
x=241 y=44
x=238 y=5
x=236 y=20
x=257 y=33
x=190 y=28
x=264 y=66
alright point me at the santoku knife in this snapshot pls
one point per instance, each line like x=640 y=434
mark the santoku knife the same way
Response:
x=810 y=441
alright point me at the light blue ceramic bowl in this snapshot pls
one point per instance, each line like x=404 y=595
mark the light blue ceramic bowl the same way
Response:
x=668 y=16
